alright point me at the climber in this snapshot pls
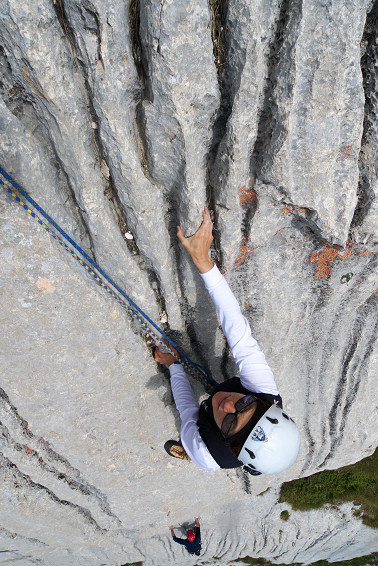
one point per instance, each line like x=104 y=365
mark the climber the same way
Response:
x=192 y=542
x=242 y=422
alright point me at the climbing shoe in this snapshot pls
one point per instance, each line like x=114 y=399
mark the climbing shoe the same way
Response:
x=176 y=450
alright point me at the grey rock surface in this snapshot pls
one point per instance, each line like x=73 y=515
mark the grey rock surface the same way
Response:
x=123 y=119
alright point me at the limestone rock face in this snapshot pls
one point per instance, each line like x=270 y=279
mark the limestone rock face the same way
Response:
x=122 y=120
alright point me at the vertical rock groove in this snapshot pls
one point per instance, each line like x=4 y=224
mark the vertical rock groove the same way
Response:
x=141 y=66
x=13 y=475
x=218 y=29
x=50 y=465
x=104 y=160
x=123 y=119
x=22 y=106
x=279 y=62
x=219 y=10
x=140 y=62
x=61 y=15
x=353 y=371
x=368 y=157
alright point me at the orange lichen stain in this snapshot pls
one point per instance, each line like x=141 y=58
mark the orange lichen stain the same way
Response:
x=345 y=152
x=292 y=209
x=45 y=444
x=244 y=252
x=348 y=252
x=45 y=286
x=367 y=252
x=26 y=426
x=247 y=196
x=28 y=450
x=327 y=255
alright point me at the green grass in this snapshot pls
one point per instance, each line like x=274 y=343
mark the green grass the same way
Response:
x=361 y=561
x=356 y=483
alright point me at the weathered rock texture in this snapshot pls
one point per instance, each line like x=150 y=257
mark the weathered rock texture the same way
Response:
x=123 y=119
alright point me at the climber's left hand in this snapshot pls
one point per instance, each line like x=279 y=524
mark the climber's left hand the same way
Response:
x=165 y=359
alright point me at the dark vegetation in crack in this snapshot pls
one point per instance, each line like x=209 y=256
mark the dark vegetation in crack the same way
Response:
x=219 y=9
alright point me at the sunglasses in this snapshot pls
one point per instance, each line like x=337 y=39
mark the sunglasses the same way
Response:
x=240 y=406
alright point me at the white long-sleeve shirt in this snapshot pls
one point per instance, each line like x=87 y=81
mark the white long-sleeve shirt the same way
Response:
x=255 y=374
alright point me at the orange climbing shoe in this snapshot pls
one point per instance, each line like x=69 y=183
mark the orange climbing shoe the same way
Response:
x=176 y=450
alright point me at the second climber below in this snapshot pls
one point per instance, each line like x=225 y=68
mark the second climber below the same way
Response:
x=242 y=421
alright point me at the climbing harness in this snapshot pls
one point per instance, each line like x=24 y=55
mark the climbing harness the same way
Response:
x=98 y=274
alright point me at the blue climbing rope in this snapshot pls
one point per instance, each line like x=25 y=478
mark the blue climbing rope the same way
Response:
x=94 y=270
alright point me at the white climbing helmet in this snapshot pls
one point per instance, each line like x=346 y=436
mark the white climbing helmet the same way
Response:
x=273 y=444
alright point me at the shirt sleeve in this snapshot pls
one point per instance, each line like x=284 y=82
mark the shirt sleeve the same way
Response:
x=255 y=373
x=188 y=407
x=197 y=531
x=180 y=540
